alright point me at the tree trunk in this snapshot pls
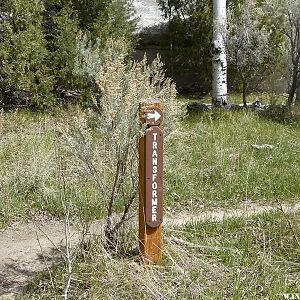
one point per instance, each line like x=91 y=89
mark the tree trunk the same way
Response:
x=298 y=92
x=245 y=94
x=219 y=92
x=171 y=40
x=293 y=87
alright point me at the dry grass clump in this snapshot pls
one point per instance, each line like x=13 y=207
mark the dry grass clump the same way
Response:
x=101 y=274
x=181 y=275
x=26 y=159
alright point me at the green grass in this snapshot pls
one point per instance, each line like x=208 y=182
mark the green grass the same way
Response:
x=30 y=177
x=251 y=258
x=209 y=162
x=261 y=255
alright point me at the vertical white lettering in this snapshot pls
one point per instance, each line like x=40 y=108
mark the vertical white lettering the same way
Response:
x=154 y=153
x=154 y=201
x=154 y=178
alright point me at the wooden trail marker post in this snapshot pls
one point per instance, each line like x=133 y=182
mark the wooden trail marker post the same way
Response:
x=151 y=181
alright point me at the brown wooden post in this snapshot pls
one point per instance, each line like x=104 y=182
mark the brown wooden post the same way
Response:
x=151 y=181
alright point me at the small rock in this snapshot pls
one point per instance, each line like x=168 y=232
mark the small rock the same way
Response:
x=256 y=104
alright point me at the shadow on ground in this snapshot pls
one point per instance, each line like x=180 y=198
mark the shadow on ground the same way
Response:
x=14 y=276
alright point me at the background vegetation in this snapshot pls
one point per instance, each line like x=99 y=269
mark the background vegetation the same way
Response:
x=262 y=43
x=38 y=47
x=209 y=162
x=79 y=162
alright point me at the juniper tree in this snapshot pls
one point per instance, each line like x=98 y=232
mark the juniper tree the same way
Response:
x=68 y=21
x=189 y=36
x=106 y=19
x=62 y=47
x=25 y=77
x=38 y=45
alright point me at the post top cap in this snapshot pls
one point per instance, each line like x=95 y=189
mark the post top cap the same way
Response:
x=150 y=100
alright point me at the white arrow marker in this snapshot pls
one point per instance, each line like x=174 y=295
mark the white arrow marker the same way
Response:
x=156 y=115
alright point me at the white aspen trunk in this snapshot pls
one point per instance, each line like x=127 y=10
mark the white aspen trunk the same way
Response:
x=219 y=92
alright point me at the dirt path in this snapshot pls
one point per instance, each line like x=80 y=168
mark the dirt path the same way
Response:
x=220 y=214
x=21 y=255
x=26 y=248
